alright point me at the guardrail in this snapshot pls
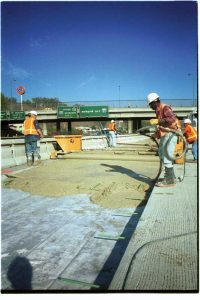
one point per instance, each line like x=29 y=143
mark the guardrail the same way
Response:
x=120 y=113
x=126 y=103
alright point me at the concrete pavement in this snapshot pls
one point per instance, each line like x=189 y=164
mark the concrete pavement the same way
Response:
x=162 y=253
x=152 y=248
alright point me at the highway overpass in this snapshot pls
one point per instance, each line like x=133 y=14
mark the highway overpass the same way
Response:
x=119 y=114
x=134 y=116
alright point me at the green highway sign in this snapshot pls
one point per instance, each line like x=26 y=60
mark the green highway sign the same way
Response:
x=93 y=111
x=4 y=115
x=17 y=115
x=67 y=112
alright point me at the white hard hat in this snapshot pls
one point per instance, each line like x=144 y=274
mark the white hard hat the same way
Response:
x=112 y=121
x=152 y=97
x=33 y=112
x=187 y=121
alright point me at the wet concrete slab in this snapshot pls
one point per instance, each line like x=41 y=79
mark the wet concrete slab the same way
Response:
x=59 y=236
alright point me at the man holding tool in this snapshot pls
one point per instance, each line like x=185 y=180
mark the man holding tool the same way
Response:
x=166 y=121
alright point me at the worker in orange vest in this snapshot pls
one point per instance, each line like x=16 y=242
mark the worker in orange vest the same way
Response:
x=112 y=133
x=33 y=133
x=190 y=134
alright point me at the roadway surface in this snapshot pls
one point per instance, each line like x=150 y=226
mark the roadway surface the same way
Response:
x=73 y=245
x=162 y=253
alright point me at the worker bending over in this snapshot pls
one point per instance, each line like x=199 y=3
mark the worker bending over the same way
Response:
x=190 y=134
x=166 y=119
x=33 y=133
x=112 y=133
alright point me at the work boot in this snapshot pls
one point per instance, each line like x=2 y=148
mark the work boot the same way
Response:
x=174 y=176
x=37 y=161
x=29 y=161
x=191 y=161
x=169 y=178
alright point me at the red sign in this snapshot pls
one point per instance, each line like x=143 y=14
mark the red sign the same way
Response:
x=20 y=90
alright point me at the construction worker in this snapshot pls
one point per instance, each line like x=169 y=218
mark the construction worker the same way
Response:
x=33 y=133
x=112 y=133
x=166 y=119
x=190 y=134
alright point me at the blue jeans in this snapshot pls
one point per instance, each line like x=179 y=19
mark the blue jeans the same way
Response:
x=166 y=150
x=194 y=150
x=31 y=147
x=112 y=138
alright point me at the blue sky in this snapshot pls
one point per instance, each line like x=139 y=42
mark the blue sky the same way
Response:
x=86 y=50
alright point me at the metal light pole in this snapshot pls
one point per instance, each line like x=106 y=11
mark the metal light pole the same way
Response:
x=11 y=82
x=192 y=75
x=21 y=103
x=119 y=95
x=11 y=86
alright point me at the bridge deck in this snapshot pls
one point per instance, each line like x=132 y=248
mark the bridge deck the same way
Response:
x=162 y=254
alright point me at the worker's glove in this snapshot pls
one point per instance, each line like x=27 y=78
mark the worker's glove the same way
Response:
x=163 y=123
x=153 y=136
x=153 y=121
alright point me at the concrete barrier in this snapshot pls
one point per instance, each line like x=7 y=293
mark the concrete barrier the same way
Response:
x=7 y=156
x=94 y=142
x=130 y=138
x=13 y=150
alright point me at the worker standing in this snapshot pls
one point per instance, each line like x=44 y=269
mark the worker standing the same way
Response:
x=33 y=133
x=166 y=119
x=112 y=133
x=190 y=134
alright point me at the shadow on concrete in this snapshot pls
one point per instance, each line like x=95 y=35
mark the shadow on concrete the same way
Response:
x=107 y=272
x=20 y=274
x=130 y=173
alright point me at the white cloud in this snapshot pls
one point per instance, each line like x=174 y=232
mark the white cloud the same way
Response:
x=17 y=72
x=38 y=43
x=88 y=81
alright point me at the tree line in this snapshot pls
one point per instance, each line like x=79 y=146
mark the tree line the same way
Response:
x=38 y=103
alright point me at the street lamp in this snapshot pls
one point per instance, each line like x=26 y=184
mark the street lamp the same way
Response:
x=192 y=75
x=11 y=86
x=119 y=95
x=11 y=82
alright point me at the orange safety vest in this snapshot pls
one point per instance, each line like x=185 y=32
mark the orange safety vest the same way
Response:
x=112 y=127
x=190 y=134
x=160 y=115
x=29 y=127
